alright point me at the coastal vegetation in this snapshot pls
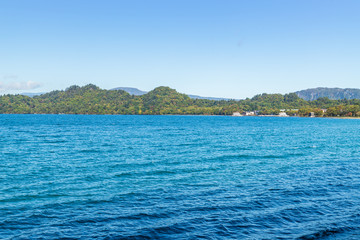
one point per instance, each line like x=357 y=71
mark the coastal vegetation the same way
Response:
x=90 y=99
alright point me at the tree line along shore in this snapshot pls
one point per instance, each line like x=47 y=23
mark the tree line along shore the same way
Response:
x=90 y=99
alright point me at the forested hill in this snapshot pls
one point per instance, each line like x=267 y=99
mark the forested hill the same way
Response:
x=138 y=92
x=331 y=93
x=90 y=99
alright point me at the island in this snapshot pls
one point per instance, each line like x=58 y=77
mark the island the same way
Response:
x=90 y=99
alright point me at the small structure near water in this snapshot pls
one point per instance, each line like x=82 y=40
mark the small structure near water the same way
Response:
x=250 y=113
x=282 y=113
x=246 y=113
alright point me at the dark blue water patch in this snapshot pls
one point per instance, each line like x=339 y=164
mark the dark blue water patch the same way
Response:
x=178 y=177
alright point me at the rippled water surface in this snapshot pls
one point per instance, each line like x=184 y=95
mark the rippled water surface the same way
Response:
x=178 y=177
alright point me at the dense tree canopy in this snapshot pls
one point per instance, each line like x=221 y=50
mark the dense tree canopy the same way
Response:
x=90 y=99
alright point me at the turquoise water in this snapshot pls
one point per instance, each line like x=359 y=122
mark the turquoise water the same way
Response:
x=178 y=177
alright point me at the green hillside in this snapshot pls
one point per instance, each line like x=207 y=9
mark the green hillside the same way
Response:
x=90 y=99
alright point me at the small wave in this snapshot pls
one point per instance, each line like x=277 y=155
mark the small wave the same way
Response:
x=90 y=151
x=108 y=219
x=132 y=237
x=173 y=229
x=145 y=173
x=56 y=141
x=108 y=145
x=325 y=233
x=125 y=174
x=246 y=156
x=186 y=144
x=29 y=197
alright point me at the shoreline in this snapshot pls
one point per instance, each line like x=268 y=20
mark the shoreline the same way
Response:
x=261 y=116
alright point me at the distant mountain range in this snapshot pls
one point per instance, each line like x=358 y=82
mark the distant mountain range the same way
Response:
x=32 y=94
x=131 y=91
x=331 y=93
x=308 y=94
x=138 y=92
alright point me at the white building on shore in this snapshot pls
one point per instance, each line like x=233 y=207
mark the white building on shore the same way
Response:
x=283 y=114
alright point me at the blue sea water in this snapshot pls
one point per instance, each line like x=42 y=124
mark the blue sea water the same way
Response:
x=178 y=177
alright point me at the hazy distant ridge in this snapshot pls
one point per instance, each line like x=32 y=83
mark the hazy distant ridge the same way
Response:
x=32 y=94
x=138 y=92
x=331 y=93
x=308 y=94
x=131 y=91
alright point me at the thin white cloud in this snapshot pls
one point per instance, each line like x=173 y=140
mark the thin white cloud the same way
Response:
x=19 y=86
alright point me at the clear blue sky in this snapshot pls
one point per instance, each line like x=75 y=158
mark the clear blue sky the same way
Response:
x=222 y=48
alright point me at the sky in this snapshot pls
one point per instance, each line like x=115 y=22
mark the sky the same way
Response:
x=215 y=48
